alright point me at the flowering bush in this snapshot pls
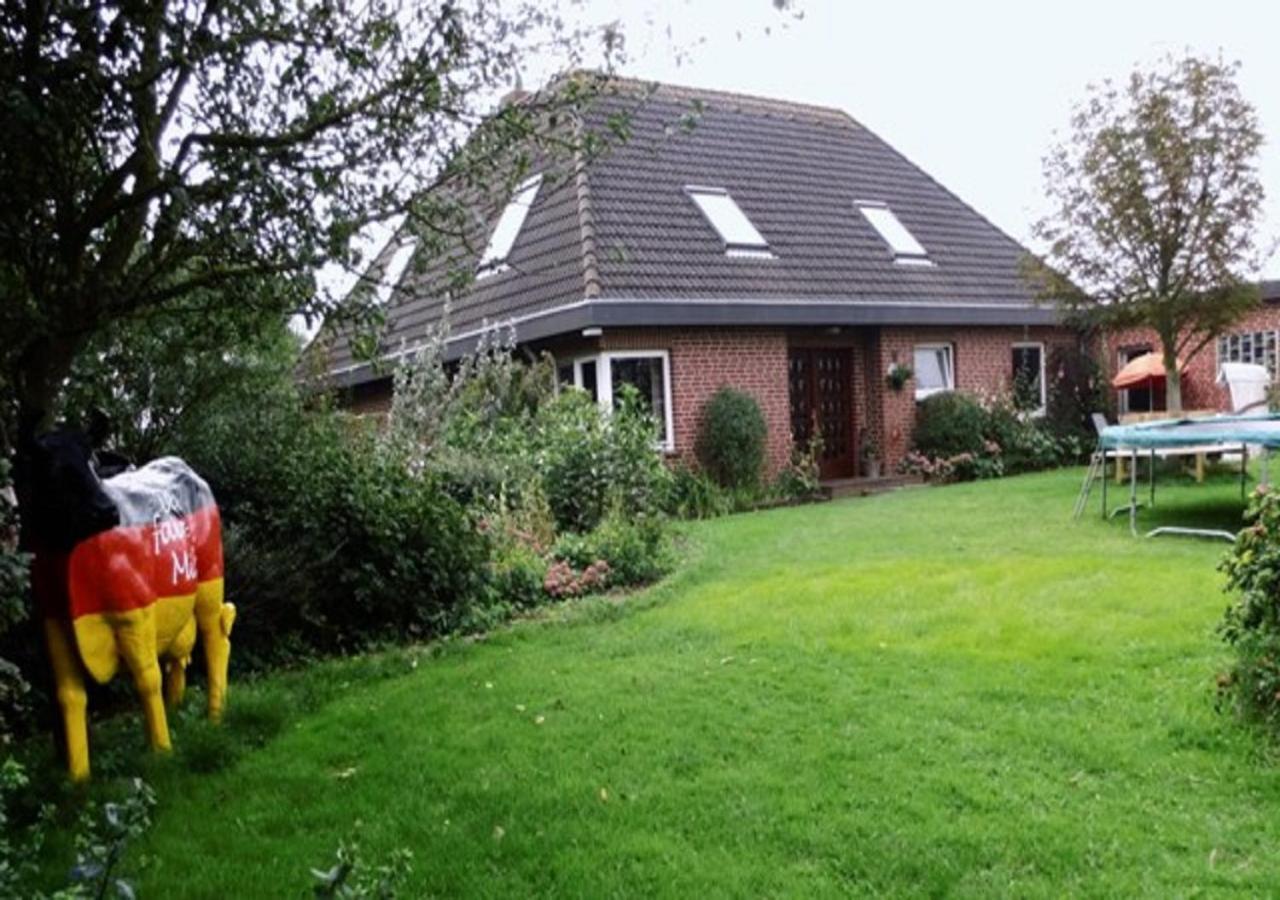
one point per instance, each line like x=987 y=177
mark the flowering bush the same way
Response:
x=563 y=580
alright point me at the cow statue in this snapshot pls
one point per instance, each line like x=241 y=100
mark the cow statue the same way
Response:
x=127 y=568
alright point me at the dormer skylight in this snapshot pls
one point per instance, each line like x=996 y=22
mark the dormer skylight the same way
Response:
x=906 y=249
x=508 y=227
x=740 y=237
x=393 y=270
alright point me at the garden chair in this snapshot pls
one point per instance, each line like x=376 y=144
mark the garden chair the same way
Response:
x=1248 y=385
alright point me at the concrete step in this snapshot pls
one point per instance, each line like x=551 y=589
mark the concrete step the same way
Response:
x=865 y=487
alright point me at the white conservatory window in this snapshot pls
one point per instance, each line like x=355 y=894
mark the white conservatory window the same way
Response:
x=508 y=227
x=906 y=249
x=648 y=371
x=934 y=369
x=740 y=236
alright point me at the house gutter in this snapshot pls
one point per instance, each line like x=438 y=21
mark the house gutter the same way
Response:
x=724 y=313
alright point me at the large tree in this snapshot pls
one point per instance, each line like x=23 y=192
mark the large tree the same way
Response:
x=1155 y=205
x=195 y=155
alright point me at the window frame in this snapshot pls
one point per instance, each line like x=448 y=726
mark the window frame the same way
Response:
x=604 y=385
x=736 y=249
x=1044 y=387
x=393 y=271
x=490 y=263
x=1264 y=352
x=915 y=254
x=950 y=374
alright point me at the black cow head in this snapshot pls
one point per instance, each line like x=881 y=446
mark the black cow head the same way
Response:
x=63 y=501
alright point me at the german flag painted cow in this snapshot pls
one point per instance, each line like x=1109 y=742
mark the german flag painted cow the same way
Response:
x=127 y=569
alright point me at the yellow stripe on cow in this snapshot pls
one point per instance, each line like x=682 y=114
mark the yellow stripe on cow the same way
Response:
x=98 y=634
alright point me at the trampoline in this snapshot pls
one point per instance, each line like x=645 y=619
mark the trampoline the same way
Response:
x=1220 y=434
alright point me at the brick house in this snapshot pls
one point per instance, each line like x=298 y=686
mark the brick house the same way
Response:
x=777 y=248
x=1254 y=339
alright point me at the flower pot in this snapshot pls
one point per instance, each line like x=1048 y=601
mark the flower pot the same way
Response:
x=873 y=468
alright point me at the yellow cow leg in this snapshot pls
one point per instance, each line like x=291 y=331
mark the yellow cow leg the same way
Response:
x=215 y=619
x=69 y=682
x=179 y=656
x=136 y=636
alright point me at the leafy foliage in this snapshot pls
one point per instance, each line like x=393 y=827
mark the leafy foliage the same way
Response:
x=948 y=423
x=13 y=607
x=958 y=438
x=158 y=372
x=217 y=154
x=1077 y=389
x=1157 y=199
x=589 y=461
x=731 y=439
x=332 y=540
x=693 y=495
x=348 y=879
x=636 y=550
x=101 y=836
x=1251 y=625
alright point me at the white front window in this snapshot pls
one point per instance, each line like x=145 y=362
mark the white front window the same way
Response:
x=648 y=371
x=934 y=371
x=1028 y=377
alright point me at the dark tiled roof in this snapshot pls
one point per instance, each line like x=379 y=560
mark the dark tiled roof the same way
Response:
x=625 y=229
x=1270 y=289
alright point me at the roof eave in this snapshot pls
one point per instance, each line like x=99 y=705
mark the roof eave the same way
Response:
x=726 y=313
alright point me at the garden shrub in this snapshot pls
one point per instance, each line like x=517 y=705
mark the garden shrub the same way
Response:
x=949 y=423
x=800 y=480
x=693 y=495
x=1251 y=625
x=636 y=548
x=588 y=460
x=332 y=541
x=1077 y=389
x=1022 y=441
x=731 y=439
x=959 y=438
x=16 y=647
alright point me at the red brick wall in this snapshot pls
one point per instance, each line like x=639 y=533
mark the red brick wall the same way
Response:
x=983 y=359
x=704 y=360
x=755 y=360
x=1199 y=380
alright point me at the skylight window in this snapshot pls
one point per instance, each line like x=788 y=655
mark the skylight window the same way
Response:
x=509 y=225
x=906 y=249
x=394 y=269
x=740 y=237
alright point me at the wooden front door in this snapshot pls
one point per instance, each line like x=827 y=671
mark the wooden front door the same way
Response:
x=822 y=398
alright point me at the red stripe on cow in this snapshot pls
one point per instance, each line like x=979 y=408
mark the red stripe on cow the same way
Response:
x=131 y=566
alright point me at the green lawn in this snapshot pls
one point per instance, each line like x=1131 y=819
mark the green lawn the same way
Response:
x=953 y=690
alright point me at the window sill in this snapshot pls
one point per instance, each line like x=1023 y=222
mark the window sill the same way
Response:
x=924 y=394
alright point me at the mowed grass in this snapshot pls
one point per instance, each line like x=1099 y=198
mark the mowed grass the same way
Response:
x=939 y=691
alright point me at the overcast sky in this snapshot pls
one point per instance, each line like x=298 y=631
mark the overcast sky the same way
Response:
x=970 y=91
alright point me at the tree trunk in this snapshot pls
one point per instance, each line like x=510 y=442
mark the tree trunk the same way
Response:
x=1172 y=379
x=41 y=370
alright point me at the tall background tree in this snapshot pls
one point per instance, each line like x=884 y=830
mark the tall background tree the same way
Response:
x=206 y=155
x=1156 y=200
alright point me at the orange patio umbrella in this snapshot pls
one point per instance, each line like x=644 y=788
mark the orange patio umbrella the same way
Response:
x=1146 y=368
